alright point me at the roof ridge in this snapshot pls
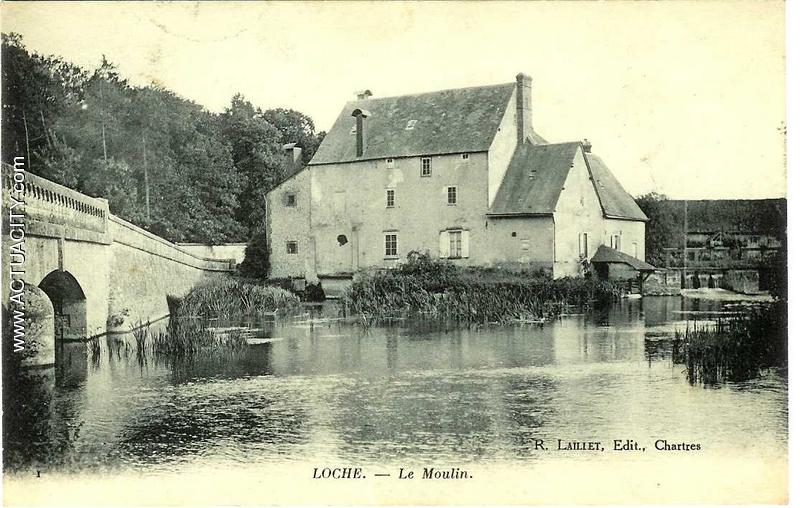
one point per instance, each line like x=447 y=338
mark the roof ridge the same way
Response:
x=432 y=92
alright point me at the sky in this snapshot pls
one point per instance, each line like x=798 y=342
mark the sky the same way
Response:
x=682 y=98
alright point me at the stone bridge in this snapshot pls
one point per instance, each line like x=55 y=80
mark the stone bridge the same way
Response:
x=86 y=272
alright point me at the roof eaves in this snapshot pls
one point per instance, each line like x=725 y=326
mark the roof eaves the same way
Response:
x=287 y=178
x=364 y=159
x=594 y=181
x=503 y=215
x=620 y=217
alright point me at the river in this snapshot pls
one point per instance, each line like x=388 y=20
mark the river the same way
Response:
x=411 y=392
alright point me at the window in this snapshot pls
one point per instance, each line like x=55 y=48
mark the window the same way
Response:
x=291 y=247
x=583 y=245
x=390 y=245
x=465 y=156
x=389 y=198
x=410 y=125
x=636 y=250
x=425 y=169
x=454 y=244
x=452 y=195
x=390 y=163
x=615 y=242
x=290 y=199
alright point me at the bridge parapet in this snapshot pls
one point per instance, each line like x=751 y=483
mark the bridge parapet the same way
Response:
x=52 y=203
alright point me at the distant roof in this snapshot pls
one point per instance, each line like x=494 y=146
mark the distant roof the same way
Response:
x=534 y=178
x=616 y=203
x=448 y=121
x=606 y=254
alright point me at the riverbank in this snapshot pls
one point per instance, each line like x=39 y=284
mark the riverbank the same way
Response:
x=737 y=348
x=441 y=290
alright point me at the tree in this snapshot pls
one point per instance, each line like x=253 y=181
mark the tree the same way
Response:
x=663 y=230
x=163 y=162
x=295 y=127
x=255 y=148
x=256 y=256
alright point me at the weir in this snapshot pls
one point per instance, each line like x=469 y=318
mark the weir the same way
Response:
x=86 y=271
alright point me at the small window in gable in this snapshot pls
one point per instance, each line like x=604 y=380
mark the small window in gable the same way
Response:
x=465 y=156
x=389 y=163
x=410 y=125
x=291 y=247
x=290 y=199
x=583 y=245
x=426 y=167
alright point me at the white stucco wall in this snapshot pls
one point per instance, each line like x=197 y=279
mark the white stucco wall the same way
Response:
x=577 y=211
x=290 y=224
x=631 y=236
x=502 y=149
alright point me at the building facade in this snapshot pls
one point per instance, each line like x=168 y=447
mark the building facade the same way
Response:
x=457 y=173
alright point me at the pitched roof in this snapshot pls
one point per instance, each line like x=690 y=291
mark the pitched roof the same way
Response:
x=616 y=203
x=606 y=254
x=534 y=178
x=447 y=121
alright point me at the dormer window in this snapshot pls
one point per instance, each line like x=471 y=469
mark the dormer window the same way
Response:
x=410 y=125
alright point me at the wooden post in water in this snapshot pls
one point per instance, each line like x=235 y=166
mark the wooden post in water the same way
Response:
x=685 y=233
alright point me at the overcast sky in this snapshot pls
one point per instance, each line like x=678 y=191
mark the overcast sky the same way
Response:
x=687 y=99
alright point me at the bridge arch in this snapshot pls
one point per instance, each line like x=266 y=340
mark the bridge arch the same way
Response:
x=69 y=304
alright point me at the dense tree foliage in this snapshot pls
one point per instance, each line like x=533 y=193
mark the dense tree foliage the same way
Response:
x=664 y=229
x=163 y=162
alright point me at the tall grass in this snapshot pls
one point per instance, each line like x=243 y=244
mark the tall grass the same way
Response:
x=736 y=349
x=232 y=296
x=185 y=337
x=443 y=290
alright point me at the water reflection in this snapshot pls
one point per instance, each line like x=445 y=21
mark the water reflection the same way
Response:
x=414 y=390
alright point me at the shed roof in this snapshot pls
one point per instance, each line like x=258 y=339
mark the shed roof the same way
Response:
x=534 y=179
x=606 y=254
x=460 y=120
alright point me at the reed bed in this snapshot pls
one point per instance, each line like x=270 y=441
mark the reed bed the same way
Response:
x=734 y=349
x=185 y=337
x=441 y=290
x=233 y=296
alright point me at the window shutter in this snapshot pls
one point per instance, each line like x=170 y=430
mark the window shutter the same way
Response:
x=444 y=244
x=465 y=244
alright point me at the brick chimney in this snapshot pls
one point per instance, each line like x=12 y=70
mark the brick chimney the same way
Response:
x=524 y=114
x=360 y=115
